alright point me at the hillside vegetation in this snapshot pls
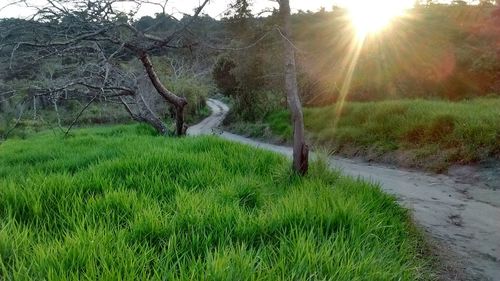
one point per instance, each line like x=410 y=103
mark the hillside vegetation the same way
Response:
x=413 y=133
x=417 y=97
x=118 y=203
x=437 y=51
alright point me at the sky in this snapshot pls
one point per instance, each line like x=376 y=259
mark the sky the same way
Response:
x=215 y=8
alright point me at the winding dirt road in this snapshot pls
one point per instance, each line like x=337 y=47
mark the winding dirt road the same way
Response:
x=463 y=219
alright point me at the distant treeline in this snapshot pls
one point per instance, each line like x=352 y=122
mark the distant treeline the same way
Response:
x=435 y=51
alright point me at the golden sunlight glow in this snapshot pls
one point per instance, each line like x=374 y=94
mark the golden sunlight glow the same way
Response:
x=370 y=16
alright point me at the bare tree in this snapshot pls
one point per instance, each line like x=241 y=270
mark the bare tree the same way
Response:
x=300 y=148
x=96 y=38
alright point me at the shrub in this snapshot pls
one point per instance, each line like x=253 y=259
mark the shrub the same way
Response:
x=196 y=92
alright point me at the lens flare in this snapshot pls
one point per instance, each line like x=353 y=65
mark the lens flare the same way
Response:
x=369 y=16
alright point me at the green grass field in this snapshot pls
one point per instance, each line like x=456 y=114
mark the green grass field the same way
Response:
x=118 y=203
x=425 y=134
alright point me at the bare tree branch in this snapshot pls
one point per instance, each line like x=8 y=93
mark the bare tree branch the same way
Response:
x=79 y=115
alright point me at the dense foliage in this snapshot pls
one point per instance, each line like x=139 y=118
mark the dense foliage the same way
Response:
x=437 y=51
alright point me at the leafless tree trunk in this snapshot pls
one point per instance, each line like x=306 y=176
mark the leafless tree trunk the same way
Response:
x=144 y=113
x=300 y=148
x=34 y=108
x=56 y=110
x=179 y=103
x=148 y=116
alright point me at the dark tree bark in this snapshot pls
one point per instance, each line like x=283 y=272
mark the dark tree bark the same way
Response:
x=300 y=148
x=179 y=103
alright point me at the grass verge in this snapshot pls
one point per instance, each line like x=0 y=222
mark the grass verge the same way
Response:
x=431 y=135
x=118 y=203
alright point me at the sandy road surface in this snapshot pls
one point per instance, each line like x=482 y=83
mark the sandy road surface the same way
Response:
x=463 y=217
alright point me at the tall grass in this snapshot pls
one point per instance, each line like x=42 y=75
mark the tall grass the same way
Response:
x=119 y=203
x=421 y=133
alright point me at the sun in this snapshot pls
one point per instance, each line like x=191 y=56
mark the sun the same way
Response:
x=371 y=16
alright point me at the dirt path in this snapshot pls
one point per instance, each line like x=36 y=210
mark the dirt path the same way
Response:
x=464 y=218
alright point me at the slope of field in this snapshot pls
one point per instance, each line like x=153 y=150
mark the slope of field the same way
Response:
x=413 y=133
x=119 y=203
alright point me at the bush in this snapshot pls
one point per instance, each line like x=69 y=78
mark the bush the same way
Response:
x=196 y=92
x=254 y=106
x=223 y=76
